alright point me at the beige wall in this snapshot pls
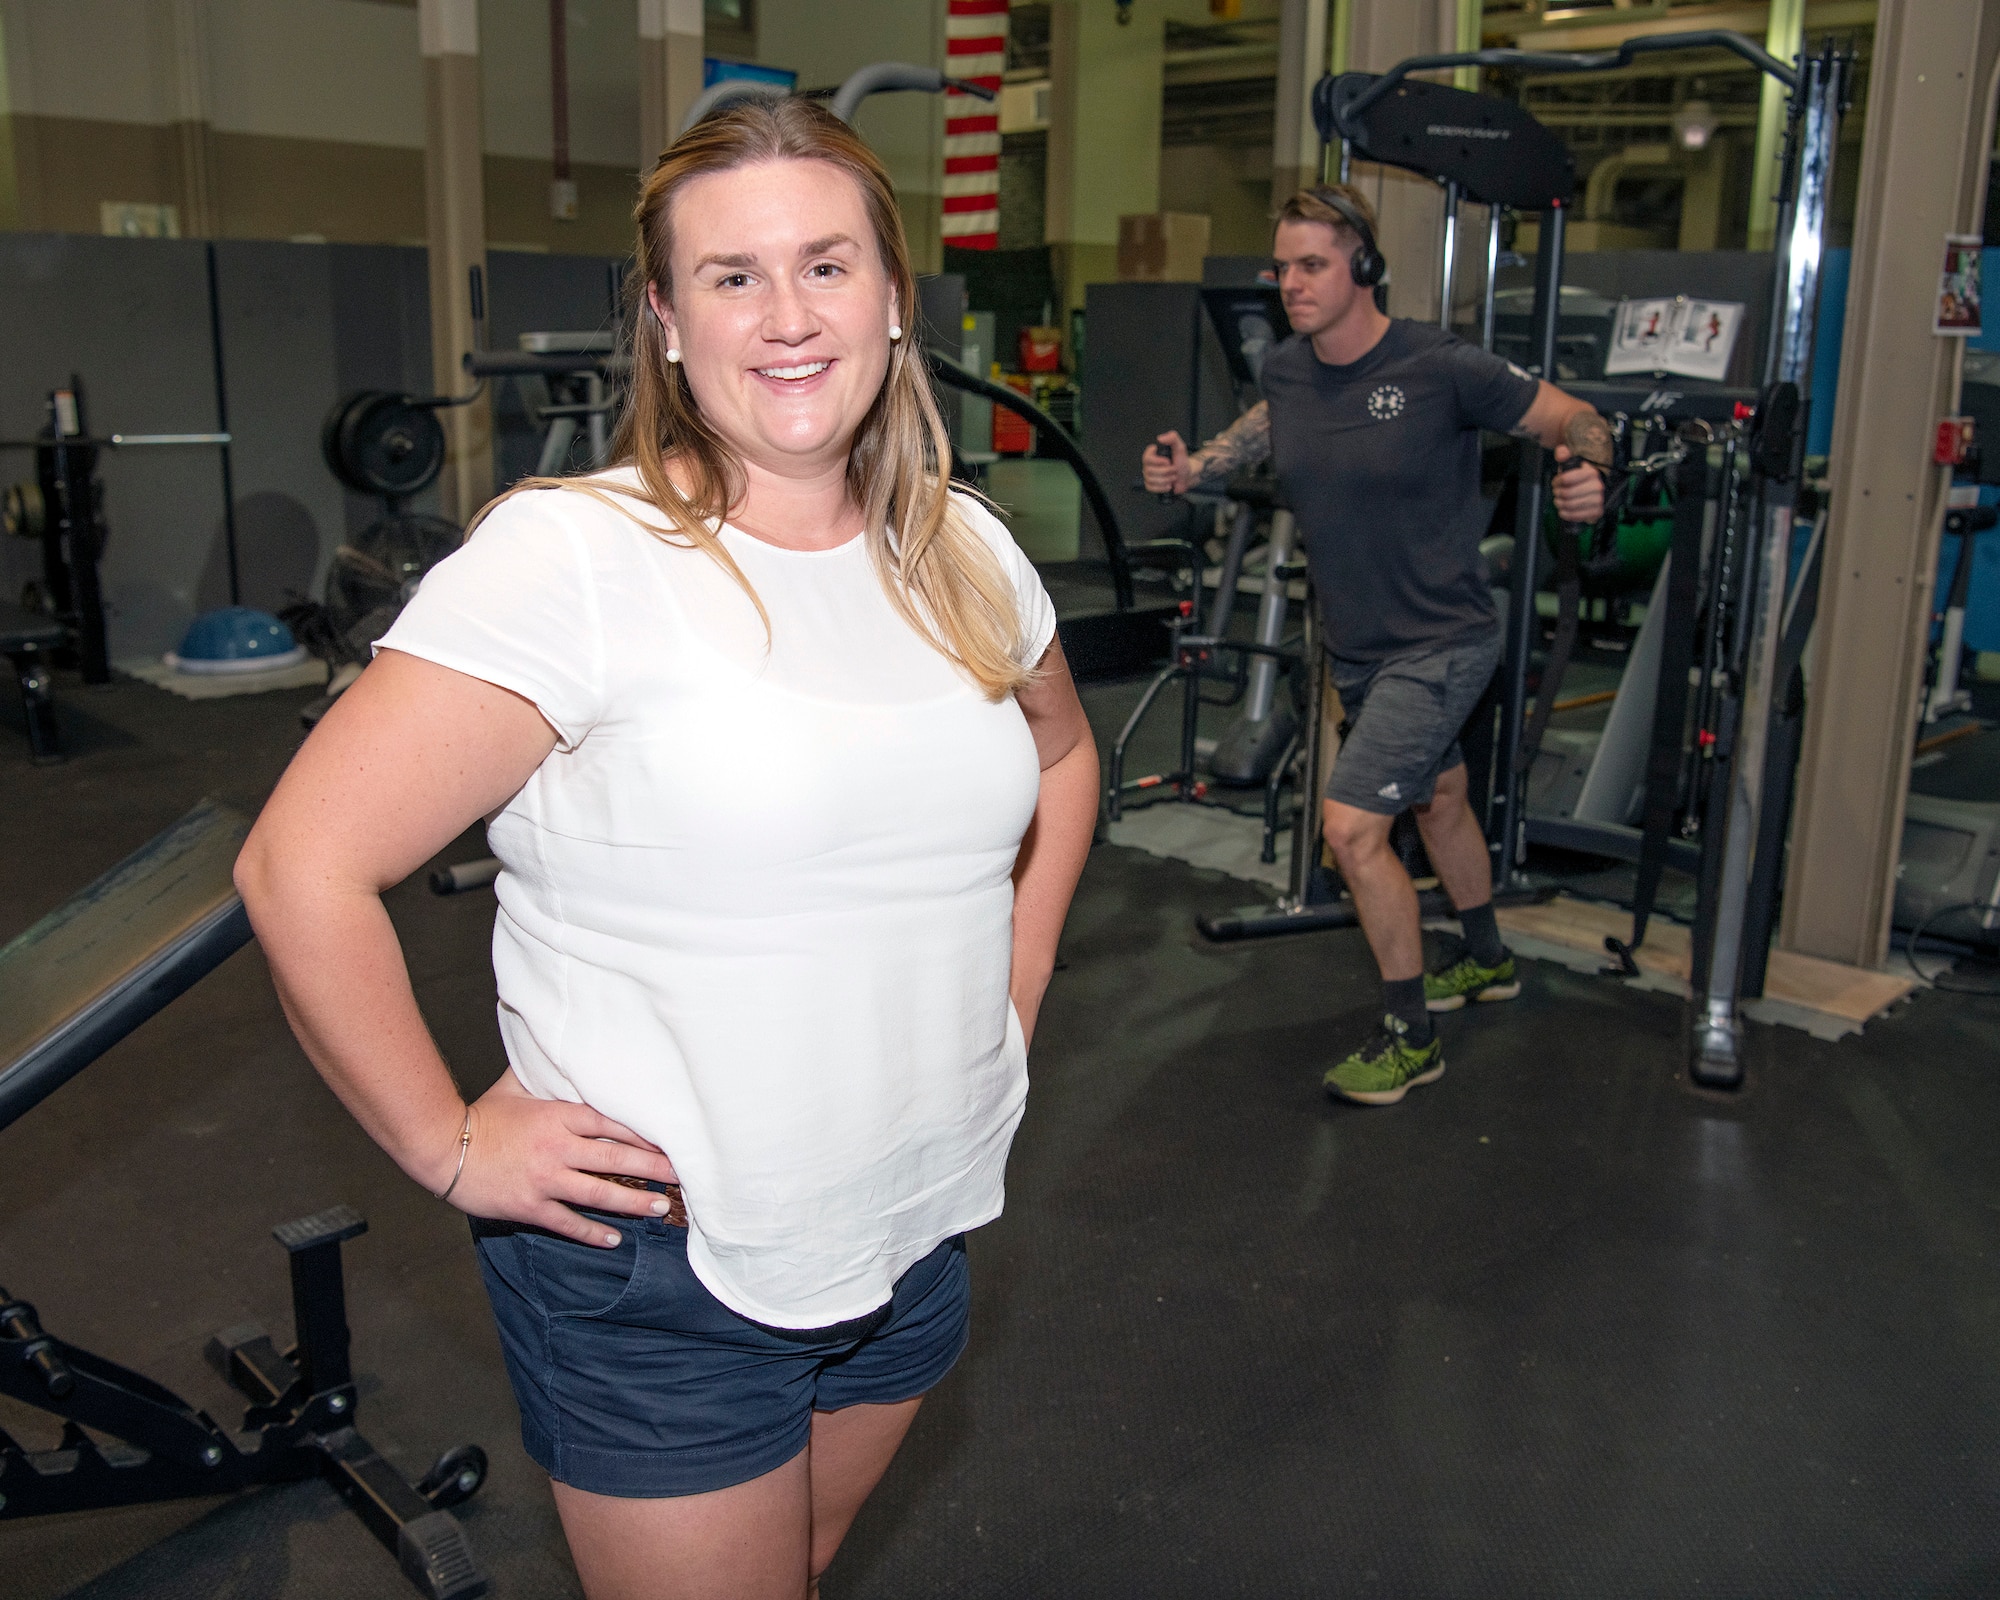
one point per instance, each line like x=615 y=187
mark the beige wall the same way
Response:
x=824 y=40
x=268 y=187
x=315 y=112
x=603 y=80
x=340 y=70
x=1233 y=192
x=1410 y=208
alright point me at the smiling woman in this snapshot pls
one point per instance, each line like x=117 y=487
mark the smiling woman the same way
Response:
x=752 y=360
x=790 y=789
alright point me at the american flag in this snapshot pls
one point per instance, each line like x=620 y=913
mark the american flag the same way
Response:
x=975 y=49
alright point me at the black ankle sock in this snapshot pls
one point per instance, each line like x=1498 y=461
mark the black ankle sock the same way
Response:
x=1403 y=998
x=1482 y=934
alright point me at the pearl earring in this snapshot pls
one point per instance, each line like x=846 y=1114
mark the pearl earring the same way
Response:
x=895 y=331
x=673 y=354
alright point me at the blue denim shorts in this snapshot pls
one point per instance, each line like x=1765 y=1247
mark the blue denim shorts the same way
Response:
x=633 y=1380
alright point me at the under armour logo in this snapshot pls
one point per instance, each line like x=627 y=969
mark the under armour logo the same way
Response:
x=1390 y=791
x=1386 y=402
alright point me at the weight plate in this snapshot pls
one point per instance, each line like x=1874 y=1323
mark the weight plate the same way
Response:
x=383 y=443
x=24 y=514
x=330 y=430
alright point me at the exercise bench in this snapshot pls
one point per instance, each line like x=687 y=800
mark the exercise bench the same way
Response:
x=71 y=987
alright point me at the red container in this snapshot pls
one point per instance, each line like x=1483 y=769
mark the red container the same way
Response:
x=1041 y=350
x=1012 y=435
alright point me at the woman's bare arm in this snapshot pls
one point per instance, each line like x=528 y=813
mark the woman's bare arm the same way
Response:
x=404 y=761
x=1058 y=839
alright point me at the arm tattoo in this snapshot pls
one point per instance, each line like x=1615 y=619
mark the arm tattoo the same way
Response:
x=1589 y=438
x=1243 y=443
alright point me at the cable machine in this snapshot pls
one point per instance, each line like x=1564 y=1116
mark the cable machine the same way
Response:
x=1749 y=698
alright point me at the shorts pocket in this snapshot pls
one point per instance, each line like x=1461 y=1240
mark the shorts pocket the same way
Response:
x=584 y=1281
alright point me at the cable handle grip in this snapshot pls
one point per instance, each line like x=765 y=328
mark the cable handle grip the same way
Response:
x=1167 y=498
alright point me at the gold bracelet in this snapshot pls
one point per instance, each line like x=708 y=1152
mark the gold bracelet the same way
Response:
x=464 y=1144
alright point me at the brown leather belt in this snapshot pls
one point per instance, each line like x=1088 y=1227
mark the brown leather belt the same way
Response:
x=676 y=1214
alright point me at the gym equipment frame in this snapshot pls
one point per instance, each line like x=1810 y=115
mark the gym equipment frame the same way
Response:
x=1261 y=743
x=70 y=987
x=64 y=509
x=1748 y=813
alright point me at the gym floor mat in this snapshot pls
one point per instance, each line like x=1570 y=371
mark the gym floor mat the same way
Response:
x=1555 y=1327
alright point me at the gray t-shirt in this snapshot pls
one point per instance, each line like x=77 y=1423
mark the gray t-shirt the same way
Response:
x=1379 y=461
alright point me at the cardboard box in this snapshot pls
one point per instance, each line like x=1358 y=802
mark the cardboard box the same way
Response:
x=1162 y=247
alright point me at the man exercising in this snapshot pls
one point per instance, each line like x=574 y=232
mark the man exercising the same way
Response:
x=1372 y=425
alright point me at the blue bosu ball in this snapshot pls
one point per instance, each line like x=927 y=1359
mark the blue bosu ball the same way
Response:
x=235 y=639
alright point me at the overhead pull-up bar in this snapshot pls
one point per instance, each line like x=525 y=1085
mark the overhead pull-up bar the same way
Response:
x=1580 y=61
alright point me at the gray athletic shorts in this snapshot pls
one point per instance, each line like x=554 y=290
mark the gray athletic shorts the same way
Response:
x=1403 y=719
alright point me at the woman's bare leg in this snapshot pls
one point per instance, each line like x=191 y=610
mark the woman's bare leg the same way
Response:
x=768 y=1539
x=851 y=1449
x=750 y=1541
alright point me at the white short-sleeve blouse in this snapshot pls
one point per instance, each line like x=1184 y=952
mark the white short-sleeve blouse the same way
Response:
x=757 y=904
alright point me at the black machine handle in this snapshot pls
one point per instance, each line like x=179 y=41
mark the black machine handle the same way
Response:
x=1575 y=61
x=1053 y=436
x=542 y=364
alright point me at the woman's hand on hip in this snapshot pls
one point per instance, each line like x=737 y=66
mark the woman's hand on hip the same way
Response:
x=533 y=1160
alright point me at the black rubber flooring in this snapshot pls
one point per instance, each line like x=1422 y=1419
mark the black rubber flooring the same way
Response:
x=1556 y=1326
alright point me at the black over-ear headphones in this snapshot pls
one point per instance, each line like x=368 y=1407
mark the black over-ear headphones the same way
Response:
x=1366 y=263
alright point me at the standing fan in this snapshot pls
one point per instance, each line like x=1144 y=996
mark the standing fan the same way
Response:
x=372 y=579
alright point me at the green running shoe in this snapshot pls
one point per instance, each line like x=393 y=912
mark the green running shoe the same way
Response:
x=1381 y=1071
x=1465 y=979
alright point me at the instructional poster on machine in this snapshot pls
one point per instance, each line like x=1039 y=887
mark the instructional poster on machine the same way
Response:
x=1958 y=287
x=1688 y=338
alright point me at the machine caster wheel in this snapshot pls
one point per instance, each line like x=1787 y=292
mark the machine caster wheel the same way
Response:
x=455 y=1478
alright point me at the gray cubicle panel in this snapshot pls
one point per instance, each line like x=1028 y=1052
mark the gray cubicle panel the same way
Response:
x=130 y=317
x=1150 y=363
x=381 y=314
x=282 y=338
x=301 y=325
x=942 y=308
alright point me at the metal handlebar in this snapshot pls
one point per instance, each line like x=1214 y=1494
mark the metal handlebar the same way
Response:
x=529 y=364
x=1057 y=438
x=729 y=92
x=1576 y=61
x=115 y=441
x=888 y=77
x=879 y=77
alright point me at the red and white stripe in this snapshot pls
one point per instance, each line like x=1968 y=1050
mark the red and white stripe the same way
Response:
x=975 y=49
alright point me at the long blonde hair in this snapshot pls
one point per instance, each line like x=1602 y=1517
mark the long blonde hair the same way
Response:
x=938 y=571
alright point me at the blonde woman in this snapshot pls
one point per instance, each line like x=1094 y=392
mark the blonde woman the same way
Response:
x=791 y=789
